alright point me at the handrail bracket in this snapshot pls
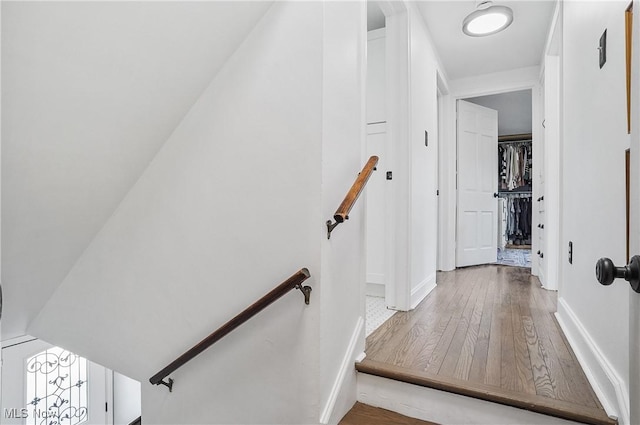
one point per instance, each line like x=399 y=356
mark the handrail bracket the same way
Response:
x=306 y=291
x=167 y=384
x=330 y=227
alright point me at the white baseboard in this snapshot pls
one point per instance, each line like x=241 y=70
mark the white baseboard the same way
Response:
x=331 y=414
x=422 y=290
x=375 y=290
x=442 y=407
x=606 y=382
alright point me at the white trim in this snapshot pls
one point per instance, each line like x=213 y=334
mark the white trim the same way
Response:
x=376 y=34
x=422 y=290
x=375 y=289
x=398 y=116
x=347 y=366
x=375 y=278
x=442 y=407
x=376 y=128
x=607 y=384
x=17 y=340
x=495 y=83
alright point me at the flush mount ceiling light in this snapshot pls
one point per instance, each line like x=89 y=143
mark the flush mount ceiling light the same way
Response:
x=487 y=19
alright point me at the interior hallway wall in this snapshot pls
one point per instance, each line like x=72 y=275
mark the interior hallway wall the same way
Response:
x=423 y=235
x=594 y=317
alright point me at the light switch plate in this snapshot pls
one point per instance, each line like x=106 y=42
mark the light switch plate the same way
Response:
x=602 y=48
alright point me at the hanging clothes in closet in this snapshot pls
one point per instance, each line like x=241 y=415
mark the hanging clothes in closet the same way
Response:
x=517 y=211
x=515 y=161
x=514 y=183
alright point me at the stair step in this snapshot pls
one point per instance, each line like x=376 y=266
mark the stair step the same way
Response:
x=363 y=414
x=532 y=403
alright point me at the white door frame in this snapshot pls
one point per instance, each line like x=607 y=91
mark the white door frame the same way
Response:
x=446 y=178
x=552 y=117
x=634 y=246
x=510 y=82
x=397 y=99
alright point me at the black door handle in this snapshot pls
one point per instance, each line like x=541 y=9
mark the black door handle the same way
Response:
x=495 y=194
x=607 y=272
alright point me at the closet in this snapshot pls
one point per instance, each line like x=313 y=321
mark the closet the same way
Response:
x=515 y=177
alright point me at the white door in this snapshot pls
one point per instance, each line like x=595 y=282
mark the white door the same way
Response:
x=28 y=367
x=376 y=212
x=634 y=236
x=476 y=240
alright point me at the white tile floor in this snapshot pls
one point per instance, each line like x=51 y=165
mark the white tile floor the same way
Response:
x=377 y=313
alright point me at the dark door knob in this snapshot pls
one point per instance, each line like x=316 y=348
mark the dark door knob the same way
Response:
x=495 y=194
x=607 y=272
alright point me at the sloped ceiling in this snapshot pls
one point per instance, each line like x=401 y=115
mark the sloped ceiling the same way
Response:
x=514 y=111
x=90 y=92
x=520 y=45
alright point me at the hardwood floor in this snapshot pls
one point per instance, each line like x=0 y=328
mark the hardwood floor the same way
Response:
x=362 y=414
x=491 y=330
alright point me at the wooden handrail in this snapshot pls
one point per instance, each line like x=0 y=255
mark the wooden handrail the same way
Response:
x=294 y=282
x=342 y=213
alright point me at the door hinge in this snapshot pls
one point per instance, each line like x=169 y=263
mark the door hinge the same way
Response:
x=106 y=407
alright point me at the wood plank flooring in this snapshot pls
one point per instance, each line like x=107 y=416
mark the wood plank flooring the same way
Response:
x=490 y=329
x=362 y=414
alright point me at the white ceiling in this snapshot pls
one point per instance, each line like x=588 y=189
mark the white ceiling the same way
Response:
x=375 y=17
x=520 y=45
x=514 y=110
x=90 y=92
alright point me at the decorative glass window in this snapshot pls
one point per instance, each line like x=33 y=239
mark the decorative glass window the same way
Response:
x=56 y=384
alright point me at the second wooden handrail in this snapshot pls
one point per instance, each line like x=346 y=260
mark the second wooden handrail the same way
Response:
x=294 y=282
x=342 y=213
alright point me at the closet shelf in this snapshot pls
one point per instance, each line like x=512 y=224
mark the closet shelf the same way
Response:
x=515 y=192
x=513 y=142
x=526 y=137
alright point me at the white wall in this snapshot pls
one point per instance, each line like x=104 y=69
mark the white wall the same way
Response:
x=410 y=110
x=423 y=237
x=595 y=317
x=234 y=203
x=342 y=281
x=91 y=91
x=127 y=401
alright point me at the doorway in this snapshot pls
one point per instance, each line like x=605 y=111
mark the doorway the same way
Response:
x=510 y=164
x=42 y=383
x=377 y=288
